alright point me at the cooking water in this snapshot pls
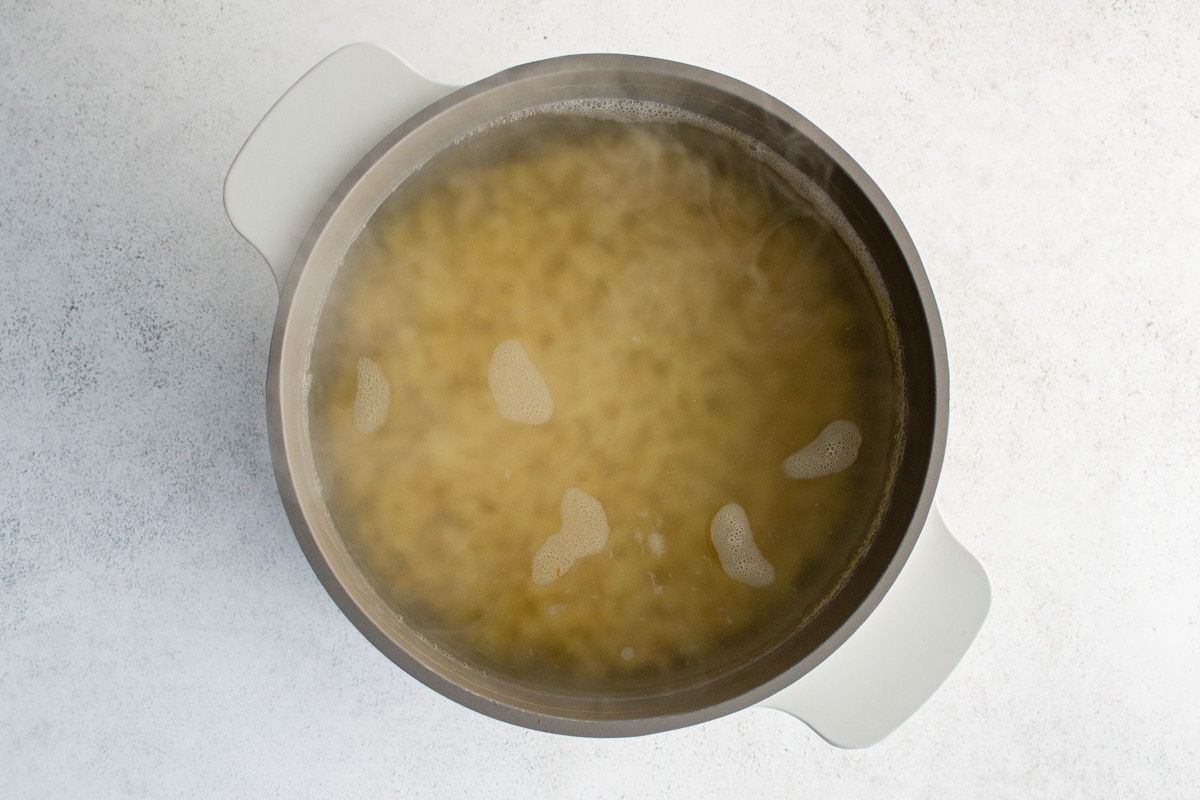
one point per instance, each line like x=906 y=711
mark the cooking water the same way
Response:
x=605 y=399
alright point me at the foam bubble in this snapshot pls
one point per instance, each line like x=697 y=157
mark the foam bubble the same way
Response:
x=656 y=544
x=520 y=391
x=372 y=393
x=627 y=653
x=584 y=533
x=834 y=449
x=738 y=553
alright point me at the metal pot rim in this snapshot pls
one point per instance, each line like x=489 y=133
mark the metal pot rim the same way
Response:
x=305 y=286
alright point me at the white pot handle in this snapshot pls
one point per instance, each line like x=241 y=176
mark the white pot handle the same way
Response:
x=311 y=138
x=902 y=652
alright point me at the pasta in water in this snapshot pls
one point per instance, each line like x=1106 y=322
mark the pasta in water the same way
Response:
x=554 y=383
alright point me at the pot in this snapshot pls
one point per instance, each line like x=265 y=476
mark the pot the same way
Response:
x=335 y=146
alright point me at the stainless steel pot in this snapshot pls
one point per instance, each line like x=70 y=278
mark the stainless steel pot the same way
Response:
x=301 y=189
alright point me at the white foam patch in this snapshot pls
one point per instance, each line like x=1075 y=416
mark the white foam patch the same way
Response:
x=834 y=449
x=584 y=533
x=520 y=391
x=738 y=553
x=656 y=543
x=372 y=394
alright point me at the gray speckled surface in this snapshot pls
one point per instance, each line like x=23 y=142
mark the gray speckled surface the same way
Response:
x=160 y=632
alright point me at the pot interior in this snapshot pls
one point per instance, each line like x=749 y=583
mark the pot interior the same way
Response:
x=776 y=649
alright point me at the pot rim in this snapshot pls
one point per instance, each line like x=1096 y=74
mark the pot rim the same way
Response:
x=350 y=592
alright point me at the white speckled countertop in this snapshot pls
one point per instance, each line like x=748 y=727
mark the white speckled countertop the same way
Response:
x=161 y=634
